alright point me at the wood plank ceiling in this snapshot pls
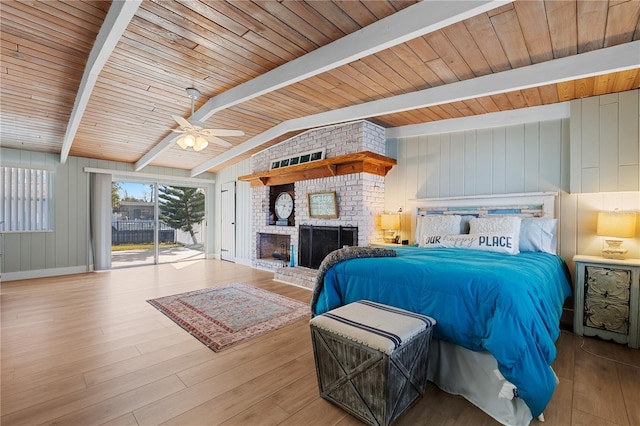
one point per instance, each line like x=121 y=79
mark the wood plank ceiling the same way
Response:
x=216 y=46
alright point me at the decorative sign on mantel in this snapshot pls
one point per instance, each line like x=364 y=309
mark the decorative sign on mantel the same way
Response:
x=323 y=205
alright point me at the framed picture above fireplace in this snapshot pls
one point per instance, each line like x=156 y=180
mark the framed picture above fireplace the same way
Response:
x=323 y=205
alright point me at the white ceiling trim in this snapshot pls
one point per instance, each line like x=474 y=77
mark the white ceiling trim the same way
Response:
x=120 y=14
x=148 y=176
x=602 y=61
x=485 y=121
x=407 y=24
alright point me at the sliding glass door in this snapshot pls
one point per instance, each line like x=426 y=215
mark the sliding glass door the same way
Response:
x=182 y=222
x=156 y=223
x=133 y=224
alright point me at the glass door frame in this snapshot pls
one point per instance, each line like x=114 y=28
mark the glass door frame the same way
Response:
x=155 y=184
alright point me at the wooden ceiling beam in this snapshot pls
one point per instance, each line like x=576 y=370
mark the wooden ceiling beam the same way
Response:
x=602 y=61
x=414 y=21
x=120 y=14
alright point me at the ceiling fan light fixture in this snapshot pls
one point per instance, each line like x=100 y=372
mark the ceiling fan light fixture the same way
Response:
x=186 y=141
x=181 y=143
x=189 y=140
x=200 y=144
x=194 y=134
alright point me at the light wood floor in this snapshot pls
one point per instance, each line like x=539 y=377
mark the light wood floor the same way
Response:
x=88 y=350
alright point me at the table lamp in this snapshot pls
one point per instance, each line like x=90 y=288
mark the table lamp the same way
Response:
x=615 y=225
x=389 y=224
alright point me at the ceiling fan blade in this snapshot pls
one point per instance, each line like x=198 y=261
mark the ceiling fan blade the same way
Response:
x=226 y=132
x=182 y=122
x=218 y=141
x=222 y=132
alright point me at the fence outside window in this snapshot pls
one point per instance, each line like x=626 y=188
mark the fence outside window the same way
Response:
x=139 y=232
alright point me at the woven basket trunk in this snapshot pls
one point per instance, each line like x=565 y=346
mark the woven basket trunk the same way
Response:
x=370 y=385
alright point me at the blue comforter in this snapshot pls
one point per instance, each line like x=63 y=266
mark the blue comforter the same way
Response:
x=509 y=305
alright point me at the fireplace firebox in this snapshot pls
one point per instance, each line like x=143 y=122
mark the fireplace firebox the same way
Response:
x=316 y=242
x=274 y=247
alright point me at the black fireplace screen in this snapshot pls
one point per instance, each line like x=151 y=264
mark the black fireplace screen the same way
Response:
x=316 y=242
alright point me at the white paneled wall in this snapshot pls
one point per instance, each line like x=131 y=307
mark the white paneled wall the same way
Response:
x=605 y=165
x=605 y=141
x=597 y=149
x=65 y=250
x=519 y=158
x=66 y=247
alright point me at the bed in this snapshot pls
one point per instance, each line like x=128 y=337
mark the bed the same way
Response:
x=498 y=313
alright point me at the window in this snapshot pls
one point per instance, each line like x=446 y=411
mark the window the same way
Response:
x=26 y=199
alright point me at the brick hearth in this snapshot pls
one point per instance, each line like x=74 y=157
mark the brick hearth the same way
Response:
x=303 y=277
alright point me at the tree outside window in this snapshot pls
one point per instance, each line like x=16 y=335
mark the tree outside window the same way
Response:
x=181 y=208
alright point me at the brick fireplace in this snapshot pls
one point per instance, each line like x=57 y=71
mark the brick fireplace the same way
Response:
x=359 y=195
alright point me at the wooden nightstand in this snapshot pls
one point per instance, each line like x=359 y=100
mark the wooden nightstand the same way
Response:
x=607 y=299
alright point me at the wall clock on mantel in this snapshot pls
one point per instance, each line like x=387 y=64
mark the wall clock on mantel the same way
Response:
x=283 y=207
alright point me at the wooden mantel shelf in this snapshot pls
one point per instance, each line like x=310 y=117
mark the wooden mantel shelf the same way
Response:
x=365 y=161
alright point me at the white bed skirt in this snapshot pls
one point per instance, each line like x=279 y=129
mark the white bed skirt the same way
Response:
x=475 y=376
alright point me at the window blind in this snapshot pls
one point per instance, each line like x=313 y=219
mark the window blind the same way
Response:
x=26 y=199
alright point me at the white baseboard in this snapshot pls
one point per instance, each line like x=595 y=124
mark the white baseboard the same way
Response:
x=43 y=273
x=53 y=272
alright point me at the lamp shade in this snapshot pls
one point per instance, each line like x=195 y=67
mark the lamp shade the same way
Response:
x=616 y=224
x=390 y=221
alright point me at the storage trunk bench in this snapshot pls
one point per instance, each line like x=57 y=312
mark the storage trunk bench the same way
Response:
x=371 y=359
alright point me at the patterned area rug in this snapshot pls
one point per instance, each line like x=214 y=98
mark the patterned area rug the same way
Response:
x=223 y=316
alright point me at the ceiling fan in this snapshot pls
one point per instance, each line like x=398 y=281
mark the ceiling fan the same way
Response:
x=195 y=135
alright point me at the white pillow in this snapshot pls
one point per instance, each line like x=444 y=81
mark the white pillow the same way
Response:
x=432 y=224
x=538 y=234
x=501 y=224
x=495 y=224
x=500 y=242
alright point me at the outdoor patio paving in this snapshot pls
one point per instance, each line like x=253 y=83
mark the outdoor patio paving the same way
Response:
x=126 y=258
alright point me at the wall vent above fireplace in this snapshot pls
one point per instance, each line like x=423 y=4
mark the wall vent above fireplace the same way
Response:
x=301 y=158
